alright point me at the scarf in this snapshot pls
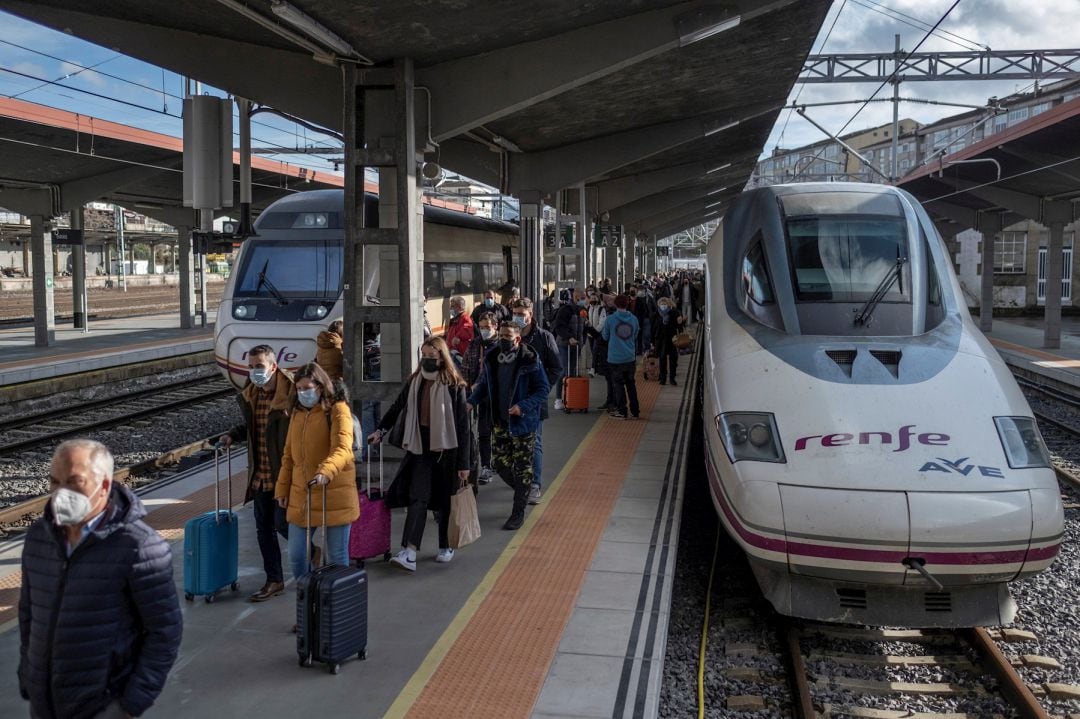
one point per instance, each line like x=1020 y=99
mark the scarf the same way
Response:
x=443 y=430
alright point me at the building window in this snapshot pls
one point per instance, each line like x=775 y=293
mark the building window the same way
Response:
x=1018 y=115
x=1040 y=108
x=1010 y=253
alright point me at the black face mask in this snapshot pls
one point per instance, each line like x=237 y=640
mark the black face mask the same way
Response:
x=506 y=345
x=429 y=365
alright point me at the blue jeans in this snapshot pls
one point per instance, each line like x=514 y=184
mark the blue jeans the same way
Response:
x=538 y=454
x=336 y=550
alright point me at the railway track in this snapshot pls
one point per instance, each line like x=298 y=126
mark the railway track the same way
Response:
x=961 y=659
x=27 y=433
x=25 y=512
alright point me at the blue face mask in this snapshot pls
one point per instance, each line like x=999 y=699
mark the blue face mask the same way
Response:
x=664 y=309
x=489 y=302
x=520 y=321
x=454 y=314
x=308 y=397
x=581 y=303
x=259 y=376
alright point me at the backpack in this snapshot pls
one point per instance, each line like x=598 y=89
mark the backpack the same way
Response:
x=357 y=436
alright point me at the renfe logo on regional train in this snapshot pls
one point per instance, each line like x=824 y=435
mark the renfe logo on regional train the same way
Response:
x=904 y=439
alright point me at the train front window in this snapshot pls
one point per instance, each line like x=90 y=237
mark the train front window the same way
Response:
x=288 y=269
x=846 y=259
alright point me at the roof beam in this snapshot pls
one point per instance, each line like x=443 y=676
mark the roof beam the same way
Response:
x=550 y=170
x=660 y=202
x=678 y=225
x=76 y=193
x=28 y=201
x=471 y=91
x=1024 y=204
x=695 y=209
x=473 y=160
x=297 y=84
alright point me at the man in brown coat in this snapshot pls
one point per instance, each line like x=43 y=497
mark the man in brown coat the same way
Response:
x=265 y=404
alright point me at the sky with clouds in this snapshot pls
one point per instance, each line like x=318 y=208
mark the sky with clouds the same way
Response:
x=870 y=26
x=129 y=91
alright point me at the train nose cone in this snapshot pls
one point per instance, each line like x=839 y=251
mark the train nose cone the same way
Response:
x=874 y=537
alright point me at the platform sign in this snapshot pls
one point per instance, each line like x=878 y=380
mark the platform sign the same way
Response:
x=568 y=236
x=67 y=236
x=607 y=235
x=549 y=236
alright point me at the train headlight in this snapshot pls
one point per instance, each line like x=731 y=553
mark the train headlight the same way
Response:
x=244 y=312
x=1023 y=445
x=750 y=436
x=315 y=312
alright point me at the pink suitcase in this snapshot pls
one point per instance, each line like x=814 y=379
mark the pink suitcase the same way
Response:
x=370 y=535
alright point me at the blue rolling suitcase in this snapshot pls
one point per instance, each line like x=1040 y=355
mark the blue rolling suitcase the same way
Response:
x=211 y=543
x=331 y=611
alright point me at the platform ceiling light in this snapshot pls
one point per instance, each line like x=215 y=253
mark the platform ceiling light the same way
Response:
x=705 y=23
x=725 y=166
x=312 y=27
x=721 y=127
x=715 y=204
x=717 y=190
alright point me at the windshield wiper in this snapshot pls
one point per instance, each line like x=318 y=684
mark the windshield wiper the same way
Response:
x=894 y=274
x=270 y=285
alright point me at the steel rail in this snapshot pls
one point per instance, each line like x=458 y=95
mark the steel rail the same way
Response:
x=15 y=512
x=1012 y=685
x=20 y=445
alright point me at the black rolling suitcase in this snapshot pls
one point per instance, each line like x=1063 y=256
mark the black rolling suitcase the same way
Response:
x=331 y=611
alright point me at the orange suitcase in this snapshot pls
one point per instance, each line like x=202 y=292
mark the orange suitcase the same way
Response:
x=576 y=394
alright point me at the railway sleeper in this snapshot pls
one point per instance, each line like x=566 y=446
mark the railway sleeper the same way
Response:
x=832 y=711
x=953 y=660
x=869 y=686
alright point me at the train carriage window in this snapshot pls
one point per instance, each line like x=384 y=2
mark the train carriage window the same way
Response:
x=451 y=278
x=465 y=279
x=844 y=259
x=291 y=268
x=432 y=283
x=755 y=275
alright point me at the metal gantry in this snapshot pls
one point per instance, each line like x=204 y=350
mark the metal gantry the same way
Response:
x=940 y=66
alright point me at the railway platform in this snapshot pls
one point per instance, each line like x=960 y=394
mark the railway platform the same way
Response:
x=1019 y=341
x=567 y=617
x=109 y=343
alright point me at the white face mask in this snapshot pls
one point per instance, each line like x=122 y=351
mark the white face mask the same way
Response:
x=486 y=333
x=308 y=397
x=70 y=507
x=260 y=376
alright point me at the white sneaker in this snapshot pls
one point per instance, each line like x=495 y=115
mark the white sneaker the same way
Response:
x=485 y=475
x=559 y=404
x=534 y=495
x=445 y=555
x=402 y=560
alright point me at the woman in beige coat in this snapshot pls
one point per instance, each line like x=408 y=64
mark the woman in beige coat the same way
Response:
x=318 y=459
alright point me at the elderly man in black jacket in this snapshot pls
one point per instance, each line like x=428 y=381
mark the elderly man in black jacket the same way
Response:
x=99 y=621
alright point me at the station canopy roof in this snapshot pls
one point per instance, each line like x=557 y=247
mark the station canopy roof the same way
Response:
x=55 y=160
x=661 y=108
x=1030 y=171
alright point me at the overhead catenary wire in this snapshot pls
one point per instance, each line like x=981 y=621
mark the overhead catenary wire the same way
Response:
x=921 y=25
x=164 y=94
x=900 y=65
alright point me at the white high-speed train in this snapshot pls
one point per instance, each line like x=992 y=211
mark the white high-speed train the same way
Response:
x=866 y=446
x=286 y=285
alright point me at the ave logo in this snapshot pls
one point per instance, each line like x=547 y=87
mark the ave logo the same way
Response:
x=961 y=467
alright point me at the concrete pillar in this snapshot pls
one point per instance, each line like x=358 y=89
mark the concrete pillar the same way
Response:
x=987 y=225
x=629 y=254
x=42 y=256
x=611 y=267
x=380 y=132
x=187 y=277
x=206 y=224
x=78 y=272
x=584 y=241
x=531 y=248
x=1052 y=334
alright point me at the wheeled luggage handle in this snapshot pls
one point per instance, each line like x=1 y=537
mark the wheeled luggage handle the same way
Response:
x=308 y=529
x=218 y=449
x=371 y=448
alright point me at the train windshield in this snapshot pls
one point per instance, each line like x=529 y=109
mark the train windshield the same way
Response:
x=837 y=258
x=286 y=269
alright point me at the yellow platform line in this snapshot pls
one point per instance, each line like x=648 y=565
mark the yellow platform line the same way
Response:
x=411 y=692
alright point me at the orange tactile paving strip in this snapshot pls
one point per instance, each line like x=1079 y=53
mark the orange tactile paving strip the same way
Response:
x=169 y=521
x=1023 y=349
x=498 y=664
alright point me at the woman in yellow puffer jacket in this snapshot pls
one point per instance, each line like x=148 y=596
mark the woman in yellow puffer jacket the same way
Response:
x=318 y=456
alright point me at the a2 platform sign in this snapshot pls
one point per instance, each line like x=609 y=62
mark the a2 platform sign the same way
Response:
x=607 y=235
x=66 y=236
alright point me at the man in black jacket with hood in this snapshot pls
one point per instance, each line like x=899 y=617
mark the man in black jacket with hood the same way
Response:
x=99 y=621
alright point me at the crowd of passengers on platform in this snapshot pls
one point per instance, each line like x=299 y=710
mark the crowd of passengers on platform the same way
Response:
x=99 y=619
